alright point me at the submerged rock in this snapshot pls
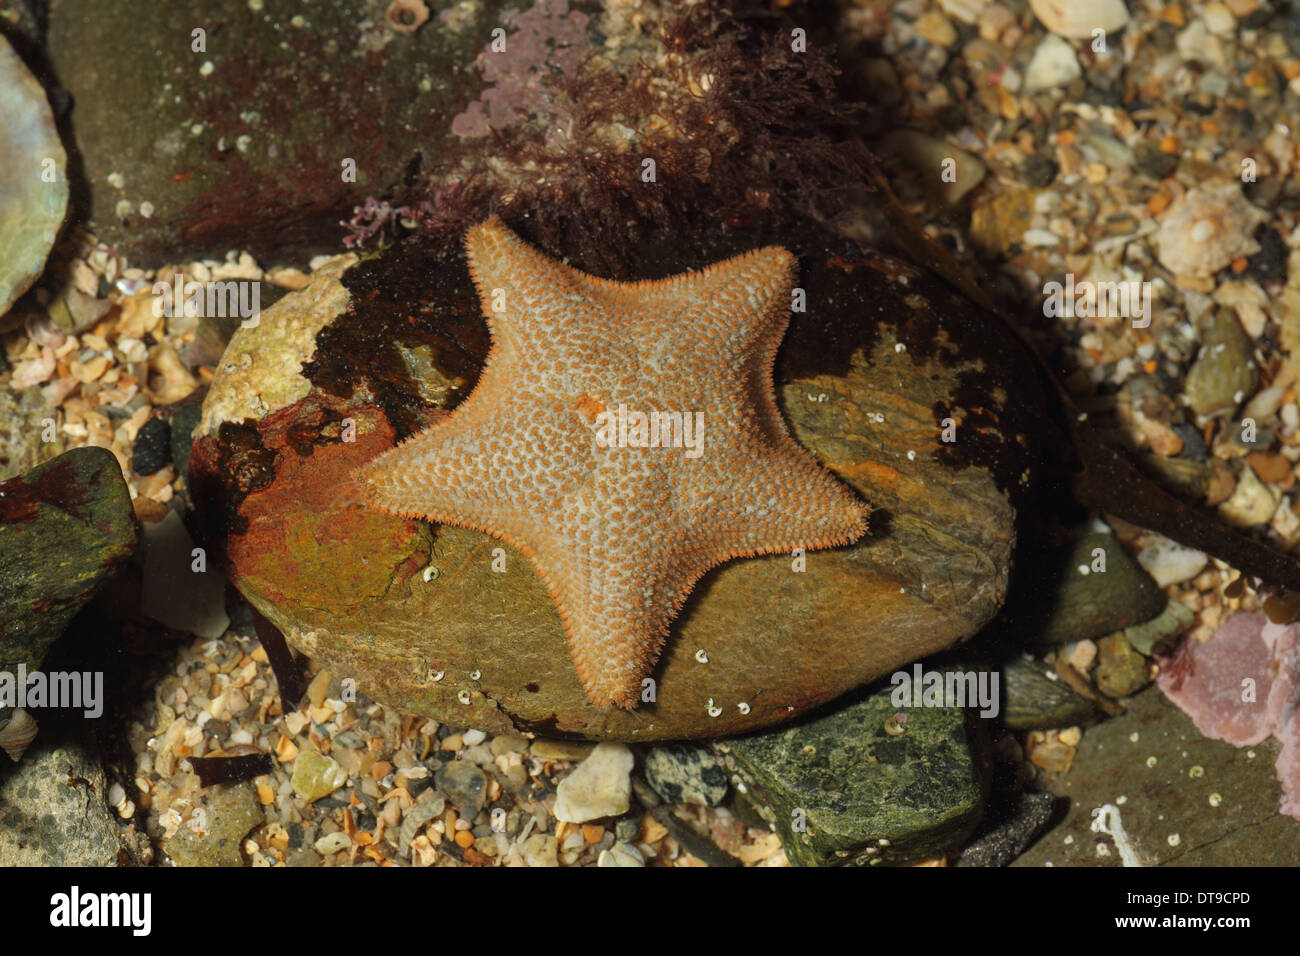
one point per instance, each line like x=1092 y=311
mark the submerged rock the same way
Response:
x=29 y=436
x=846 y=789
x=65 y=527
x=1121 y=670
x=316 y=776
x=1076 y=19
x=452 y=623
x=53 y=811
x=33 y=178
x=1036 y=699
x=215 y=831
x=1224 y=374
x=686 y=774
x=1092 y=589
x=1147 y=789
x=1242 y=686
x=227 y=153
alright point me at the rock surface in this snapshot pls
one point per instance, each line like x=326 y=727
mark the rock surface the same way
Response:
x=214 y=838
x=65 y=527
x=423 y=617
x=1153 y=766
x=228 y=153
x=49 y=813
x=686 y=774
x=841 y=789
x=29 y=421
x=1074 y=600
x=1036 y=701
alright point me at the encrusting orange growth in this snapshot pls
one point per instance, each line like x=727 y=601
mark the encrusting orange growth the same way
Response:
x=626 y=438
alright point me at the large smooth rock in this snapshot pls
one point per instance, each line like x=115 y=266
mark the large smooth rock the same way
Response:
x=65 y=527
x=868 y=377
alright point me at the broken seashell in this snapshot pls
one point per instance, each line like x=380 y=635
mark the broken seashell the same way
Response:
x=1207 y=228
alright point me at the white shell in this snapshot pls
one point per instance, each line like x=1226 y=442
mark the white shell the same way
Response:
x=31 y=208
x=1076 y=19
x=1205 y=229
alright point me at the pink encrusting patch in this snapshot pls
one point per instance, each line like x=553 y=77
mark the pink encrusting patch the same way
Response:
x=1241 y=686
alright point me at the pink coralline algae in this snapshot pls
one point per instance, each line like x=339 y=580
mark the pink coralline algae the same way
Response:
x=1242 y=686
x=379 y=218
x=549 y=41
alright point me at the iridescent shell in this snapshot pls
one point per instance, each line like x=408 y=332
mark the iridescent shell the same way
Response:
x=33 y=178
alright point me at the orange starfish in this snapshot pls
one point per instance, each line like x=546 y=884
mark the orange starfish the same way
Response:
x=584 y=444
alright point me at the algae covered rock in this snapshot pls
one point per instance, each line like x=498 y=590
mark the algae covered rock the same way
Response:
x=65 y=527
x=859 y=786
x=891 y=380
x=239 y=146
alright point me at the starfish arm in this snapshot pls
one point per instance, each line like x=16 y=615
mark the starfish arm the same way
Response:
x=769 y=504
x=616 y=623
x=478 y=469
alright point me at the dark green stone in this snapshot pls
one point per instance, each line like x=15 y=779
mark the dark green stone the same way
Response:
x=1069 y=605
x=855 y=785
x=183 y=422
x=1035 y=701
x=65 y=527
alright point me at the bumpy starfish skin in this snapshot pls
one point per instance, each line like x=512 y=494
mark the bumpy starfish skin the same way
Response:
x=620 y=535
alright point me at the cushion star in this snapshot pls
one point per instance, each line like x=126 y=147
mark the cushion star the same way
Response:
x=555 y=451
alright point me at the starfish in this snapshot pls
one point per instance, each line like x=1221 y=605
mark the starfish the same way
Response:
x=583 y=444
